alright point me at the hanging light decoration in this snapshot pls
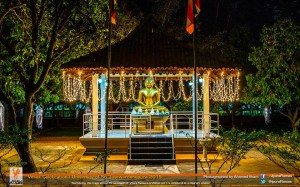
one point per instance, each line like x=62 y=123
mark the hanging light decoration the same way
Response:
x=75 y=89
x=182 y=91
x=225 y=89
x=125 y=93
x=162 y=85
x=126 y=89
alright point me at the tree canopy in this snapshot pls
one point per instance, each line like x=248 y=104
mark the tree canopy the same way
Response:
x=36 y=37
x=277 y=59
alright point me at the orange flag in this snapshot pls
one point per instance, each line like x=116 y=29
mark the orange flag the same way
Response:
x=190 y=17
x=190 y=14
x=197 y=6
x=113 y=11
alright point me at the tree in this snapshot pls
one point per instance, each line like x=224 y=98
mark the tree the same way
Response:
x=7 y=142
x=283 y=150
x=226 y=151
x=276 y=82
x=51 y=160
x=232 y=109
x=35 y=38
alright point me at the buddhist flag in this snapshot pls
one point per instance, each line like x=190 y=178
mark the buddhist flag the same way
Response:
x=113 y=11
x=190 y=14
x=197 y=7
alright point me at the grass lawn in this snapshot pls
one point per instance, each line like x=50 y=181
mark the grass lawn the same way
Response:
x=63 y=132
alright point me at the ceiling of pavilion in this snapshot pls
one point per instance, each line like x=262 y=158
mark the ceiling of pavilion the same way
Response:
x=149 y=47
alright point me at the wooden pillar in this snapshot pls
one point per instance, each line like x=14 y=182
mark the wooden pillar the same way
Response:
x=95 y=104
x=206 y=116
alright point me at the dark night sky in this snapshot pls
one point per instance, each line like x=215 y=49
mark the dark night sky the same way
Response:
x=219 y=15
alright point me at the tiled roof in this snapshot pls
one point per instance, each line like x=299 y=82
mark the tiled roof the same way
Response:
x=148 y=46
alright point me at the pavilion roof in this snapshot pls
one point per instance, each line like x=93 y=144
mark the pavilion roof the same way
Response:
x=149 y=47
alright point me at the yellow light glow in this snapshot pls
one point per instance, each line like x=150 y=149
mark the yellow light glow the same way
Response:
x=126 y=89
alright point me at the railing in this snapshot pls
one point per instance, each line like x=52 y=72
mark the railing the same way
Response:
x=184 y=121
x=121 y=122
x=87 y=123
x=172 y=134
x=116 y=121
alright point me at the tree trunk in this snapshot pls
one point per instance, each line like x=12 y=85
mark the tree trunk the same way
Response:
x=24 y=147
x=23 y=144
x=232 y=119
x=295 y=125
x=25 y=153
x=295 y=129
x=293 y=117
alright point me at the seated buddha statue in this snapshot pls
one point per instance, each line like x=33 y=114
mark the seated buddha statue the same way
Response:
x=149 y=98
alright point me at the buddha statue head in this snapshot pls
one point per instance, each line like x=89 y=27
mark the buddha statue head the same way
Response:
x=149 y=97
x=149 y=82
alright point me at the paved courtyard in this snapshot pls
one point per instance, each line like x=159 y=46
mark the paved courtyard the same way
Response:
x=76 y=163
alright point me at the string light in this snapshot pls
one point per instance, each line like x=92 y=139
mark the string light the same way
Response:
x=182 y=90
x=225 y=89
x=129 y=93
x=125 y=94
x=126 y=90
x=170 y=91
x=75 y=89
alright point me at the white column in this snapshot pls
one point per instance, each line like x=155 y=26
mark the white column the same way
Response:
x=95 y=104
x=103 y=102
x=206 y=104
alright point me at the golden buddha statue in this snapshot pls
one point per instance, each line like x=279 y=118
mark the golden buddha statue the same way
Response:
x=149 y=98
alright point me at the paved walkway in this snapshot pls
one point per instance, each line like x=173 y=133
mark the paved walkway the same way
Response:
x=255 y=162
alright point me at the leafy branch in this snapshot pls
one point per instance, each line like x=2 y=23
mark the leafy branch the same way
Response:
x=284 y=151
x=231 y=147
x=43 y=155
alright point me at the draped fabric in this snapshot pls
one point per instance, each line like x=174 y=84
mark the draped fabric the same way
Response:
x=39 y=118
x=1 y=116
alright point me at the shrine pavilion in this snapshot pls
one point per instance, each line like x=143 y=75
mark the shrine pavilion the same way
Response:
x=148 y=51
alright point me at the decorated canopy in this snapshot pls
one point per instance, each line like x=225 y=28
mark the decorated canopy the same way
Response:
x=149 y=51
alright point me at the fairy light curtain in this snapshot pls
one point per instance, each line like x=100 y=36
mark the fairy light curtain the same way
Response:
x=225 y=89
x=124 y=89
x=76 y=89
x=127 y=90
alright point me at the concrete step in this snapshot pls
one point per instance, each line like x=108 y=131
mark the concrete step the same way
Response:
x=154 y=156
x=151 y=161
x=151 y=150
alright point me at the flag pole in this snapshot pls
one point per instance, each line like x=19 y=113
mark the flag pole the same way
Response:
x=196 y=3
x=190 y=28
x=195 y=105
x=107 y=87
